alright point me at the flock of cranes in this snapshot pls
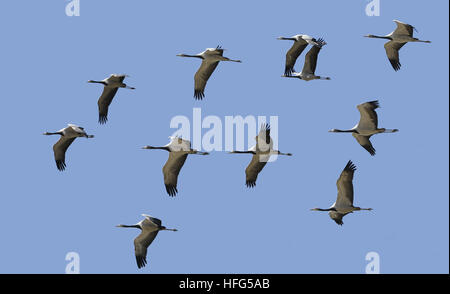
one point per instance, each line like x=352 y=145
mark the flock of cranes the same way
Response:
x=179 y=148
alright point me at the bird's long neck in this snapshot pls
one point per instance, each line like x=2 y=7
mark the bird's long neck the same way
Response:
x=157 y=148
x=342 y=131
x=129 y=226
x=324 y=209
x=243 y=152
x=194 y=56
x=54 y=133
x=379 y=37
x=98 y=82
x=283 y=38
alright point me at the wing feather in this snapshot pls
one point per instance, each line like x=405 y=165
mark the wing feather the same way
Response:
x=364 y=142
x=103 y=103
x=392 y=49
x=345 y=185
x=201 y=77
x=368 y=119
x=171 y=170
x=141 y=244
x=253 y=169
x=292 y=55
x=311 y=57
x=59 y=150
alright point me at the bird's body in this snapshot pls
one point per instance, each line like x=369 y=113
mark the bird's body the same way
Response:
x=367 y=126
x=309 y=67
x=300 y=43
x=111 y=85
x=261 y=155
x=210 y=59
x=397 y=39
x=68 y=135
x=178 y=149
x=344 y=202
x=149 y=227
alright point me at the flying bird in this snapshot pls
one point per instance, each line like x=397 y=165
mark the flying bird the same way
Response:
x=344 y=201
x=261 y=155
x=149 y=227
x=300 y=43
x=68 y=135
x=111 y=85
x=367 y=126
x=210 y=59
x=397 y=39
x=309 y=67
x=178 y=149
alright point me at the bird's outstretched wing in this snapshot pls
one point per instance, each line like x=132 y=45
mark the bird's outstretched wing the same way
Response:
x=141 y=244
x=337 y=217
x=392 y=49
x=311 y=57
x=154 y=220
x=201 y=77
x=264 y=134
x=364 y=142
x=59 y=149
x=368 y=116
x=253 y=169
x=345 y=185
x=403 y=29
x=171 y=170
x=292 y=55
x=103 y=103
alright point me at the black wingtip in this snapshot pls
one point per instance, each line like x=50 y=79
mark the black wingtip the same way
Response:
x=141 y=261
x=265 y=127
x=375 y=104
x=171 y=190
x=60 y=165
x=321 y=42
x=250 y=184
x=102 y=119
x=199 y=94
x=371 y=151
x=396 y=65
x=350 y=166
x=288 y=71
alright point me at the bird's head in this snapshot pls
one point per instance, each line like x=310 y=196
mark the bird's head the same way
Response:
x=369 y=36
x=333 y=131
x=314 y=209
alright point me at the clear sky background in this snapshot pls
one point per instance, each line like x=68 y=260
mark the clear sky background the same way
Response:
x=47 y=57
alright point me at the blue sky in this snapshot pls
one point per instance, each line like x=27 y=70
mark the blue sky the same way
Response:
x=47 y=57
